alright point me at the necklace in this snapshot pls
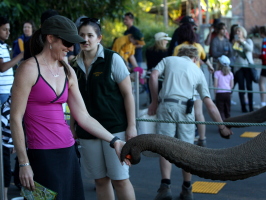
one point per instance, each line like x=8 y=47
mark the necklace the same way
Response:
x=54 y=75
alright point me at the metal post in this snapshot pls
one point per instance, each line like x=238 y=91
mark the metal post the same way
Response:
x=136 y=85
x=2 y=186
x=165 y=14
x=200 y=13
x=207 y=21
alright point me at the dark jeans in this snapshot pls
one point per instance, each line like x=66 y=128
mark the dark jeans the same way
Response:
x=244 y=79
x=223 y=103
x=7 y=166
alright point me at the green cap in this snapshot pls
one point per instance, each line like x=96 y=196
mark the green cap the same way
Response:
x=62 y=27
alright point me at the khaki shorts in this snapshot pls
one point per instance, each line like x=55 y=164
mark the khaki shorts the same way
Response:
x=176 y=112
x=99 y=160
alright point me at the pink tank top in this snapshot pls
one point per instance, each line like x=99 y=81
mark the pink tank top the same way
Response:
x=44 y=120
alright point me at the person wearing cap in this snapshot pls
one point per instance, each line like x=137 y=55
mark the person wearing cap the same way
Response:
x=75 y=52
x=42 y=84
x=129 y=22
x=27 y=54
x=105 y=86
x=157 y=52
x=174 y=41
x=125 y=46
x=181 y=78
x=223 y=79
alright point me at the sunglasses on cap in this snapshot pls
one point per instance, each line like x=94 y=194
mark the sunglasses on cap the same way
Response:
x=65 y=43
x=94 y=20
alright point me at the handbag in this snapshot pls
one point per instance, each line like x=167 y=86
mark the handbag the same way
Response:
x=254 y=75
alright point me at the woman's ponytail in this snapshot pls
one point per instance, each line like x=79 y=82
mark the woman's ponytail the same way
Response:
x=36 y=43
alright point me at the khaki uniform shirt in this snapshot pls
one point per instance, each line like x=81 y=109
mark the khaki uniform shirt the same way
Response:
x=181 y=78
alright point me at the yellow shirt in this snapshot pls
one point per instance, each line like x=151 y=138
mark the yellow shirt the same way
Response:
x=202 y=54
x=124 y=47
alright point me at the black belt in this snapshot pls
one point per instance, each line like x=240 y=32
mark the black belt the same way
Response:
x=174 y=101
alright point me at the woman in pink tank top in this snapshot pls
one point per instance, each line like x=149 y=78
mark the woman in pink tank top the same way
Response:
x=41 y=85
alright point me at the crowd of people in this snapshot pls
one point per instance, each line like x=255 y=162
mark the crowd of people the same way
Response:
x=65 y=62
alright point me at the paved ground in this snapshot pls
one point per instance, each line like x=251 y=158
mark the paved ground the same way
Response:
x=145 y=176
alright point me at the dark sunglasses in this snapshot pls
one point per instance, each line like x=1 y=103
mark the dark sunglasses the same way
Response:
x=65 y=43
x=94 y=20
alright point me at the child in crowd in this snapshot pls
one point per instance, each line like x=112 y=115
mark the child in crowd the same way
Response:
x=223 y=79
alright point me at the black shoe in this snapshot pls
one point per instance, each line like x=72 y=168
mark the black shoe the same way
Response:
x=164 y=192
x=186 y=193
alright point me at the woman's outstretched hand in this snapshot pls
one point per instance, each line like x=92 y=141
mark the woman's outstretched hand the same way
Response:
x=118 y=148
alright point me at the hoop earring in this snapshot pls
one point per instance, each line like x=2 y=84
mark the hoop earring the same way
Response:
x=50 y=46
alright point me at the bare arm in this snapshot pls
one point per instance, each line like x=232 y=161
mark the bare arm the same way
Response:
x=81 y=115
x=215 y=84
x=4 y=66
x=153 y=83
x=209 y=65
x=25 y=78
x=126 y=91
x=215 y=115
x=231 y=83
x=133 y=61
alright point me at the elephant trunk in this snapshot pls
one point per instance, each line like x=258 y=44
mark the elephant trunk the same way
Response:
x=233 y=163
x=257 y=116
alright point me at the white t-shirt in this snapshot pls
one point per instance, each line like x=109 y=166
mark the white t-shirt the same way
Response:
x=6 y=78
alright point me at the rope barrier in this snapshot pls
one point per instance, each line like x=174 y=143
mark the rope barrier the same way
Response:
x=198 y=122
x=247 y=91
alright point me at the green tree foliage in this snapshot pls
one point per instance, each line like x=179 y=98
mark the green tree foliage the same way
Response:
x=110 y=12
x=148 y=23
x=19 y=11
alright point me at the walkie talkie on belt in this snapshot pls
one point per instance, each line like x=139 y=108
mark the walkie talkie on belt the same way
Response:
x=190 y=104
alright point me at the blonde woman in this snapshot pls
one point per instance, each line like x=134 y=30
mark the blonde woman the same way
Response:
x=156 y=53
x=243 y=48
